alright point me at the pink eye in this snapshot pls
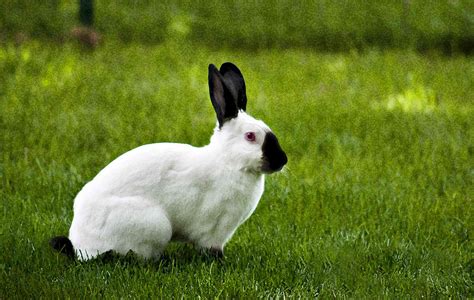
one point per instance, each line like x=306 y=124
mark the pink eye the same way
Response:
x=250 y=136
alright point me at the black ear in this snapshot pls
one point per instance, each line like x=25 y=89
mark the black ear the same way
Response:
x=221 y=97
x=236 y=84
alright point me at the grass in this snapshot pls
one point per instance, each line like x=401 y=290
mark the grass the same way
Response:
x=376 y=200
x=325 y=25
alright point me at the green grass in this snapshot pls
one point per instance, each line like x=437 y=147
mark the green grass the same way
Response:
x=376 y=200
x=322 y=24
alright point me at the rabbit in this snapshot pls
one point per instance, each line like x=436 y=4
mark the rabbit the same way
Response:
x=165 y=192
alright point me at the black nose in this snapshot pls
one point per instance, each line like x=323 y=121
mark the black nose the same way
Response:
x=274 y=158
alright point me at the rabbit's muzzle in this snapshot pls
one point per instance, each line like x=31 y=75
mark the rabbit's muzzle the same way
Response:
x=274 y=158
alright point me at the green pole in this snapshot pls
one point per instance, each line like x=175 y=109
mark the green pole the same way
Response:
x=86 y=12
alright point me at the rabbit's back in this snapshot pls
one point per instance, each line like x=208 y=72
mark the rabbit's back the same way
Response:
x=142 y=169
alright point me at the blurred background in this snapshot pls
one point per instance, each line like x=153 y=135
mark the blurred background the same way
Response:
x=324 y=25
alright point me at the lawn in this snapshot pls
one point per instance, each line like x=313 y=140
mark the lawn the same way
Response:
x=376 y=200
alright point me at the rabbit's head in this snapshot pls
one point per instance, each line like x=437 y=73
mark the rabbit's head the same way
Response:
x=248 y=143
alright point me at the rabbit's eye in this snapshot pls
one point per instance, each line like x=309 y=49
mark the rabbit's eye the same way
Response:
x=250 y=136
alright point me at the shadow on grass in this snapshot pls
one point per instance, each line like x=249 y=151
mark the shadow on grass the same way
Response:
x=175 y=255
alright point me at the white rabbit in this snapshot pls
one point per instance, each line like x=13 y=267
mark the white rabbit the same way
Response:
x=162 y=192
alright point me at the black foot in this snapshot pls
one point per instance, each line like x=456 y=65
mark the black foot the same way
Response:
x=214 y=253
x=63 y=245
x=108 y=256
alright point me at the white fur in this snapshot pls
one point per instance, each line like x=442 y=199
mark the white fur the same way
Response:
x=161 y=192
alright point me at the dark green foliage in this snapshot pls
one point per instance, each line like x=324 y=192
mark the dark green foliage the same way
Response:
x=323 y=24
x=36 y=18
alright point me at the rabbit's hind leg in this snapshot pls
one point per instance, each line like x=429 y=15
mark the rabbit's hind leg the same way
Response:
x=145 y=230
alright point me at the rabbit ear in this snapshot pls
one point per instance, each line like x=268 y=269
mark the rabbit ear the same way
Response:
x=222 y=98
x=236 y=84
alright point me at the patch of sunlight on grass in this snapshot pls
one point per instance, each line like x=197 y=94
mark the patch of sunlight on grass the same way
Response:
x=413 y=100
x=194 y=72
x=58 y=74
x=180 y=26
x=26 y=54
x=337 y=66
x=68 y=68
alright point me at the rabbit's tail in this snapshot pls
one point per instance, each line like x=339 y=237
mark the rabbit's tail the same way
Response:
x=63 y=245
